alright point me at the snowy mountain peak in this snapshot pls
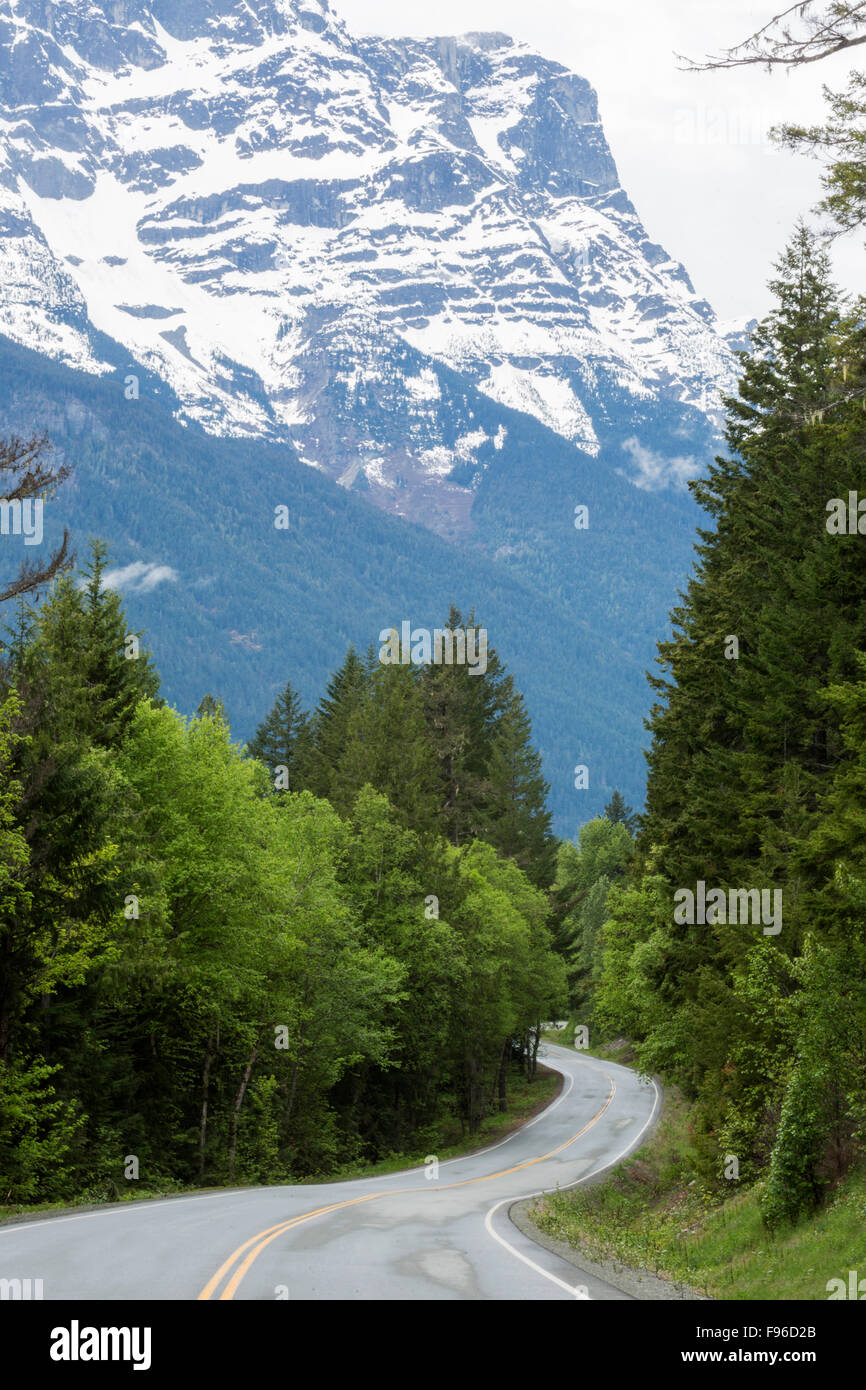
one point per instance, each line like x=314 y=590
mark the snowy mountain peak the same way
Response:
x=359 y=245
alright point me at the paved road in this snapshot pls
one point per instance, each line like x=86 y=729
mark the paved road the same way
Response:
x=403 y=1236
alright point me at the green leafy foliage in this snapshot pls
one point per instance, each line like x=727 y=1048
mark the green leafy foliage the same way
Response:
x=236 y=981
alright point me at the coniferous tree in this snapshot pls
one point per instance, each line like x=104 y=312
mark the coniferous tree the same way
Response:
x=76 y=694
x=388 y=747
x=210 y=707
x=619 y=813
x=462 y=711
x=518 y=822
x=330 y=722
x=735 y=712
x=743 y=742
x=88 y=667
x=284 y=739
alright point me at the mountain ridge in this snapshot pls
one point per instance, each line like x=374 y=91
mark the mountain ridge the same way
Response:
x=405 y=268
x=216 y=199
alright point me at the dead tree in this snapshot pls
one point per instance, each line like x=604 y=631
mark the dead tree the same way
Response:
x=27 y=474
x=803 y=33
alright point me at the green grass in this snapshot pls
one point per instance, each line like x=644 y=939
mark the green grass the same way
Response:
x=655 y=1214
x=617 y=1050
x=97 y=1198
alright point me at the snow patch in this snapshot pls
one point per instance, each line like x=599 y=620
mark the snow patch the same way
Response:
x=425 y=386
x=548 y=397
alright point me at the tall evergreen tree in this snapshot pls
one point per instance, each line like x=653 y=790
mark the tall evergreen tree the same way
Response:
x=76 y=694
x=462 y=711
x=211 y=708
x=284 y=739
x=743 y=742
x=330 y=722
x=388 y=747
x=88 y=665
x=619 y=813
x=734 y=713
x=518 y=822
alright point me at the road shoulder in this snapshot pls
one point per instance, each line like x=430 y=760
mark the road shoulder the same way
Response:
x=637 y=1283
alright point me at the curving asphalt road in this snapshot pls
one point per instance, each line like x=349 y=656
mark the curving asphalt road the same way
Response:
x=400 y=1236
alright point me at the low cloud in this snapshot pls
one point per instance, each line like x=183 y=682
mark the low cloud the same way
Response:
x=139 y=578
x=655 y=472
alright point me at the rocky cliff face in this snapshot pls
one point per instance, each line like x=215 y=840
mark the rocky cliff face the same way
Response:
x=367 y=247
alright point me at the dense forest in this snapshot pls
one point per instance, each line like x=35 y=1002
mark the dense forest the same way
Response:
x=229 y=964
x=757 y=781
x=261 y=962
x=225 y=962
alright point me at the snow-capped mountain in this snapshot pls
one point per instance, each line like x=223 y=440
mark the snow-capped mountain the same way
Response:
x=365 y=246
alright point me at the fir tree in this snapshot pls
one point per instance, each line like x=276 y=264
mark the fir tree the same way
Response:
x=89 y=667
x=388 y=747
x=211 y=708
x=742 y=741
x=330 y=722
x=619 y=813
x=284 y=739
x=462 y=711
x=518 y=822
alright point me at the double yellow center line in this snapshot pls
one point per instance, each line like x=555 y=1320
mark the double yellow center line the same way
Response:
x=245 y=1256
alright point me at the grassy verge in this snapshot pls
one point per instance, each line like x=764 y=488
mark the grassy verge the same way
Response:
x=654 y=1214
x=619 y=1050
x=89 y=1201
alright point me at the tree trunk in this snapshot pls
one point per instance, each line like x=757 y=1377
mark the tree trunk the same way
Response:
x=503 y=1076
x=476 y=1095
x=239 y=1100
x=536 y=1040
x=295 y=1069
x=4 y=1029
x=212 y=1045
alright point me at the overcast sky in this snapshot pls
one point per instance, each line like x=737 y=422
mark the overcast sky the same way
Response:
x=691 y=149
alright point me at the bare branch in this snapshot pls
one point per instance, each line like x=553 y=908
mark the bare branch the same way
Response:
x=33 y=576
x=26 y=473
x=840 y=26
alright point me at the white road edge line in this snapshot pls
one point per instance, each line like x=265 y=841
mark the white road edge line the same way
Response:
x=548 y=1110
x=488 y=1220
x=149 y=1204
x=143 y=1204
x=211 y=1197
x=478 y=1153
